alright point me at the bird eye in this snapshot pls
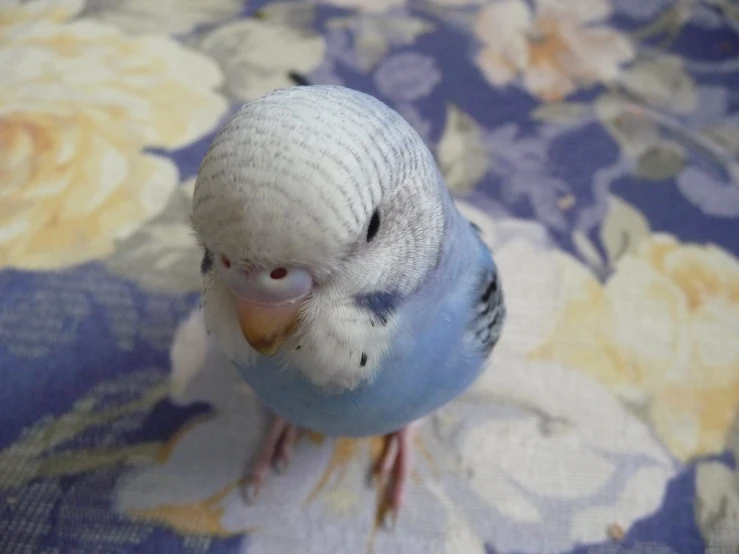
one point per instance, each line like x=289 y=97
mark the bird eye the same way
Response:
x=374 y=226
x=226 y=262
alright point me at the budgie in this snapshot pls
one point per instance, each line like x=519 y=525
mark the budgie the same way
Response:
x=338 y=275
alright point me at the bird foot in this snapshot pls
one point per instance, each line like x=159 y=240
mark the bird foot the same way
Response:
x=276 y=451
x=392 y=469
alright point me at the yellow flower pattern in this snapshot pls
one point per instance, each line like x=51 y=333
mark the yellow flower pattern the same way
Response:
x=75 y=117
x=662 y=333
x=554 y=48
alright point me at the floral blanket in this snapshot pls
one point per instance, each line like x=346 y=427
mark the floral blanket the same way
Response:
x=595 y=142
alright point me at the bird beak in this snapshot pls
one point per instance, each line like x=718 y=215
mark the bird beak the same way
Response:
x=266 y=326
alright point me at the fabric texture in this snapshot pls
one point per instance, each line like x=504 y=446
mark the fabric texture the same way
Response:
x=594 y=142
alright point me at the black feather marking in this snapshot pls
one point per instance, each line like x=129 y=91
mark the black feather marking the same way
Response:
x=490 y=313
x=297 y=347
x=207 y=262
x=494 y=321
x=298 y=79
x=381 y=304
x=492 y=287
x=363 y=360
x=374 y=226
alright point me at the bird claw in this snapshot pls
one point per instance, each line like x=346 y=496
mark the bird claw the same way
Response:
x=281 y=466
x=275 y=452
x=392 y=469
x=389 y=472
x=390 y=521
x=250 y=492
x=387 y=514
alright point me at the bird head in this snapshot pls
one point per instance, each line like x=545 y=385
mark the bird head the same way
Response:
x=319 y=209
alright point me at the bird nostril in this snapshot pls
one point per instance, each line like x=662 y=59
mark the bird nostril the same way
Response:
x=226 y=262
x=279 y=273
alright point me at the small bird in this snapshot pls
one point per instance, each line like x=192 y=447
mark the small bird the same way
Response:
x=338 y=275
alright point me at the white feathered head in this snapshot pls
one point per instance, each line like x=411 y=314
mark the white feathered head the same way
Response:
x=319 y=209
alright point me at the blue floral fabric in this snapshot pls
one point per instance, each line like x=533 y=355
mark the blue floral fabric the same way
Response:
x=596 y=144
